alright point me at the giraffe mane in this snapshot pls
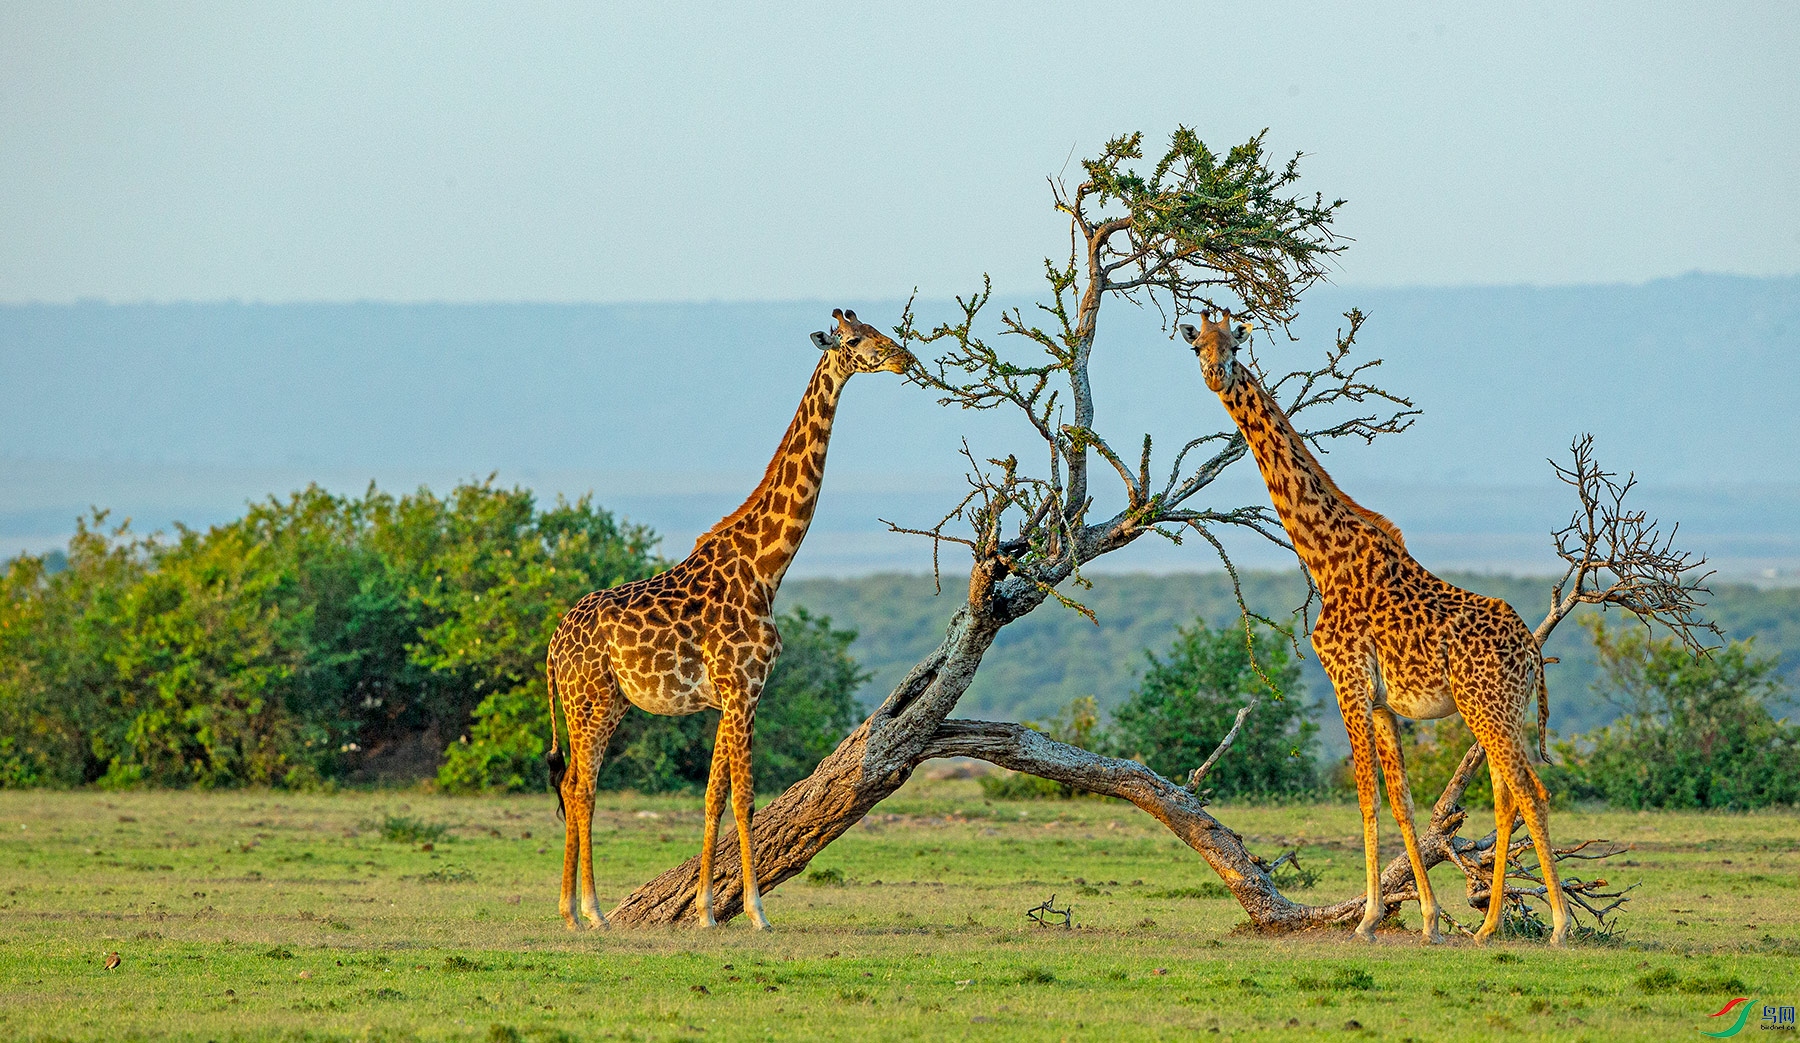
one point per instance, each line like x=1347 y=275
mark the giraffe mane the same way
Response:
x=769 y=473
x=1380 y=521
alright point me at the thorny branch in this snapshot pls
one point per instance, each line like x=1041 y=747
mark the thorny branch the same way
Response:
x=1622 y=557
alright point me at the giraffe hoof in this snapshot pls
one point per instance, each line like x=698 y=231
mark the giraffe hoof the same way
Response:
x=1365 y=934
x=1434 y=938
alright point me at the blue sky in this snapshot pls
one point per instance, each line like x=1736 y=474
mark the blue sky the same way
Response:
x=669 y=151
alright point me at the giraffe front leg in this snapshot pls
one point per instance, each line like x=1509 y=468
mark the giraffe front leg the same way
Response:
x=715 y=804
x=1393 y=768
x=1351 y=668
x=1368 y=797
x=736 y=729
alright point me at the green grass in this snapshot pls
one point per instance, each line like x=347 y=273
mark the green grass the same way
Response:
x=256 y=915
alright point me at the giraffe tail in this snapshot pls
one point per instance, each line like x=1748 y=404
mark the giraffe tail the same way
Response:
x=1543 y=697
x=554 y=759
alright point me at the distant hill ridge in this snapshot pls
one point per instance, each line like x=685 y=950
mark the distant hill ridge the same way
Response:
x=668 y=412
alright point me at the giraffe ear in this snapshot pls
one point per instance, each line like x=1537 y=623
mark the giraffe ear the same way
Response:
x=821 y=341
x=1189 y=333
x=1242 y=332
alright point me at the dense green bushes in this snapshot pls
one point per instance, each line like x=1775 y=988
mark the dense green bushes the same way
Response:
x=1695 y=732
x=1185 y=703
x=1188 y=700
x=332 y=639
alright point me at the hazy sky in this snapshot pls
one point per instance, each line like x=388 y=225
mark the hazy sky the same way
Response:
x=674 y=151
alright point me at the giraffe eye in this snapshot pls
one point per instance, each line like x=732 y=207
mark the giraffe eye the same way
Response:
x=854 y=341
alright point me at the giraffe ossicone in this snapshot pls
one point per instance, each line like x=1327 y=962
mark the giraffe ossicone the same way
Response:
x=1395 y=639
x=700 y=635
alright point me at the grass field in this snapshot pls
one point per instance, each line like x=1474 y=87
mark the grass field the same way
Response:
x=400 y=915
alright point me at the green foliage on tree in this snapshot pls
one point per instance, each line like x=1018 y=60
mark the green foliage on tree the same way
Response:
x=59 y=618
x=1188 y=700
x=1696 y=732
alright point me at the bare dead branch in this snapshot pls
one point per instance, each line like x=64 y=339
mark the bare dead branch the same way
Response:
x=1621 y=557
x=1198 y=775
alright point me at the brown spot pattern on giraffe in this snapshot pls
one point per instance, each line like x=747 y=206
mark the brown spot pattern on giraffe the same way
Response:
x=1393 y=637
x=702 y=634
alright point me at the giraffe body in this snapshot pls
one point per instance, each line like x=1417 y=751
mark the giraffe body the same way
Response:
x=700 y=635
x=1395 y=640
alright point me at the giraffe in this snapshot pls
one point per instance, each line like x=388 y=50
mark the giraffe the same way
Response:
x=1395 y=639
x=701 y=634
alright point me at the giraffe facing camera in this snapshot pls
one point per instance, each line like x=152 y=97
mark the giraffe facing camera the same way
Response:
x=1395 y=639
x=701 y=635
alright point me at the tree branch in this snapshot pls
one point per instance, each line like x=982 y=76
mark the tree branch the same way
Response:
x=1621 y=557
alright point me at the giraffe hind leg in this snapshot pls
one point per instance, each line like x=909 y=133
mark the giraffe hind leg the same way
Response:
x=1534 y=805
x=593 y=716
x=1503 y=824
x=1393 y=768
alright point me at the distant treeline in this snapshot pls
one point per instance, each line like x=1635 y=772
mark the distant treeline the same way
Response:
x=1041 y=662
x=323 y=639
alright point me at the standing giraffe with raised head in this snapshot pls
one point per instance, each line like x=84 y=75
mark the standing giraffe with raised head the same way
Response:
x=1395 y=639
x=701 y=634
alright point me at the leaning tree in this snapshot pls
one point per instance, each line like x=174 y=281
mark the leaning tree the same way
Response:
x=1194 y=230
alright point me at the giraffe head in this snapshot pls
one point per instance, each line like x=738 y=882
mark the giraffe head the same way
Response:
x=1216 y=344
x=861 y=348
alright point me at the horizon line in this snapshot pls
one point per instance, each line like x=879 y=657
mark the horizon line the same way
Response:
x=92 y=300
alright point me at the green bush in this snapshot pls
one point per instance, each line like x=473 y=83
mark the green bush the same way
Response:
x=1187 y=701
x=1695 y=732
x=295 y=646
x=323 y=639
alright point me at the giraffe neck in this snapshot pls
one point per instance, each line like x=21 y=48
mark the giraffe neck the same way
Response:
x=1323 y=523
x=766 y=531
